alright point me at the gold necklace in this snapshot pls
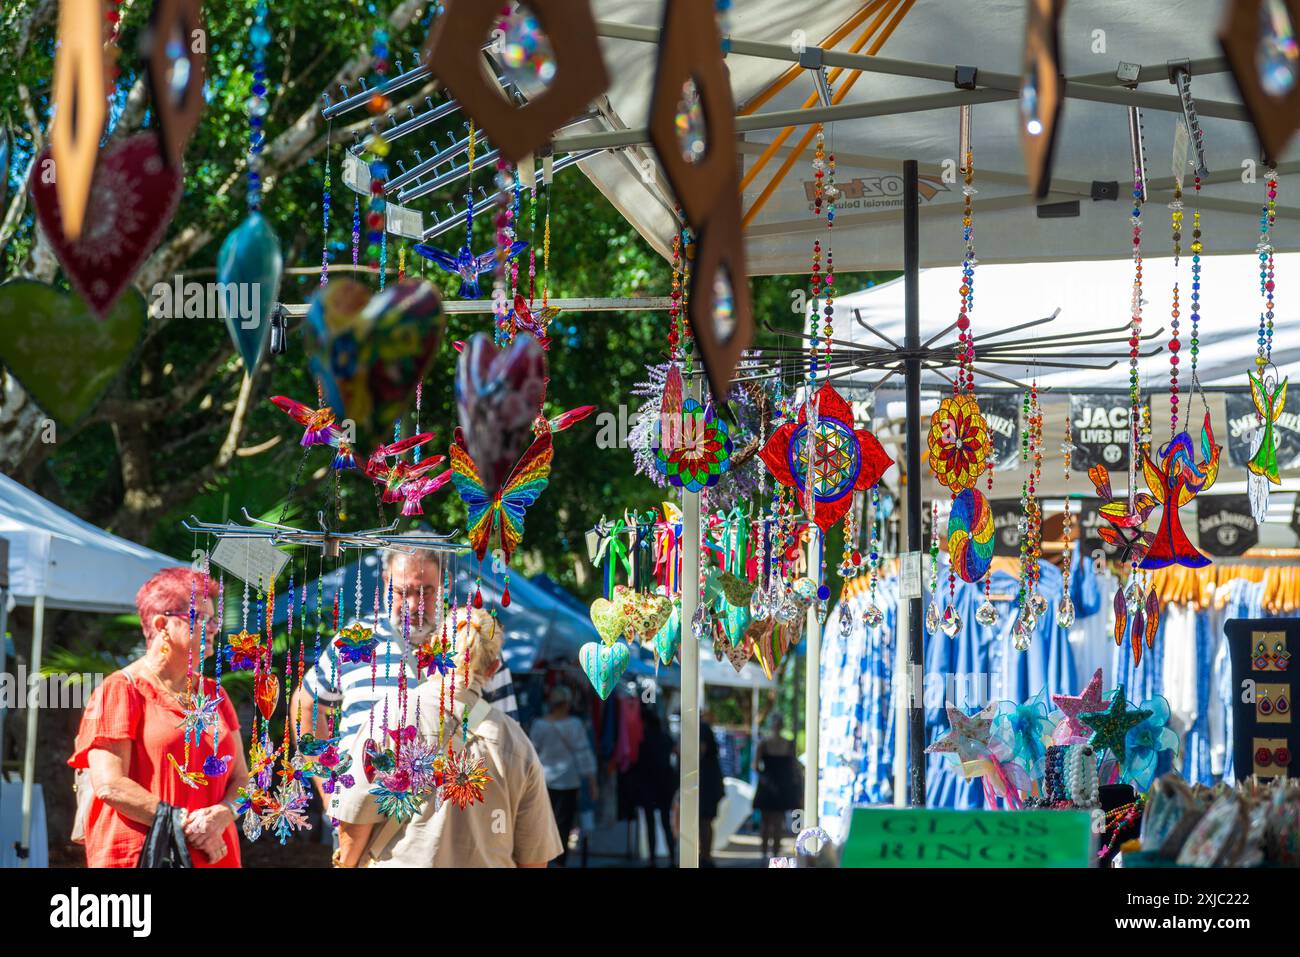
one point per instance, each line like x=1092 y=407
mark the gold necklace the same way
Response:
x=158 y=680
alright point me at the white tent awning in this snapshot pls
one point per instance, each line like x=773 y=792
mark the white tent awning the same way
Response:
x=933 y=37
x=75 y=565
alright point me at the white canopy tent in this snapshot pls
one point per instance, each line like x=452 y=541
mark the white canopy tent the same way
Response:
x=902 y=107
x=56 y=560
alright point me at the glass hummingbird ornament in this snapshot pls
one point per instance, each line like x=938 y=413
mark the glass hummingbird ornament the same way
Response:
x=464 y=263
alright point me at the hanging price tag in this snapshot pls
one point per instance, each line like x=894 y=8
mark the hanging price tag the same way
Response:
x=909 y=575
x=403 y=221
x=356 y=174
x=1182 y=144
x=254 y=560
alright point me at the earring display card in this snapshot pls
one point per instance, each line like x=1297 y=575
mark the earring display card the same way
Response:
x=1263 y=734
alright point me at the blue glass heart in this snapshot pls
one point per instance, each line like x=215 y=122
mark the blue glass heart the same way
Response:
x=604 y=665
x=249 y=268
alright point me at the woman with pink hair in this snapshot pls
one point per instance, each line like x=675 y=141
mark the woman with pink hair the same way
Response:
x=132 y=738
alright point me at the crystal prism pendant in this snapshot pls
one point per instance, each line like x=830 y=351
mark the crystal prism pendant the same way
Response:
x=932 y=618
x=700 y=623
x=873 y=616
x=986 y=614
x=951 y=623
x=1065 y=612
x=1022 y=634
x=758 y=609
x=846 y=619
x=1038 y=605
x=787 y=611
x=1133 y=594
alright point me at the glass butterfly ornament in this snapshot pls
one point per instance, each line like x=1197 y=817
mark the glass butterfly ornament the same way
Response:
x=1125 y=529
x=501 y=515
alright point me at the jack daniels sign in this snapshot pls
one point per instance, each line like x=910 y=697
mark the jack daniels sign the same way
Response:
x=1101 y=434
x=1243 y=421
x=1002 y=414
x=1225 y=524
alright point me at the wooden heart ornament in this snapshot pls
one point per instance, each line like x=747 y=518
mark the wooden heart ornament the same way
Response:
x=609 y=620
x=36 y=324
x=133 y=198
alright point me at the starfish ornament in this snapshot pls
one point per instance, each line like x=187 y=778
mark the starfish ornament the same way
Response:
x=1088 y=700
x=1111 y=726
x=967 y=737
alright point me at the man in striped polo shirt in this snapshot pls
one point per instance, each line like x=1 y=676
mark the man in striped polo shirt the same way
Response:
x=359 y=685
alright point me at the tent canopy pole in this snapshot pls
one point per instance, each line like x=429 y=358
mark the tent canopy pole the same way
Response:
x=33 y=714
x=915 y=682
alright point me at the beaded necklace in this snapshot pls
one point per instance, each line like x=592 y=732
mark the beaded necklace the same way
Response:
x=1065 y=607
x=377 y=149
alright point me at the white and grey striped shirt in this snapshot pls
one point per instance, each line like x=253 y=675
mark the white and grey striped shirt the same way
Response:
x=353 y=692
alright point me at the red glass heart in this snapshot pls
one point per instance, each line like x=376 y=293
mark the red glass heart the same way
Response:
x=132 y=199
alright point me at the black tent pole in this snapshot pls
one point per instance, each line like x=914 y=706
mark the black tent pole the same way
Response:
x=915 y=682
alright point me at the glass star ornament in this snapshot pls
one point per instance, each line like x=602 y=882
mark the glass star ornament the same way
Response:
x=199 y=712
x=967 y=736
x=466 y=779
x=1110 y=726
x=394 y=796
x=844 y=459
x=287 y=811
x=1070 y=730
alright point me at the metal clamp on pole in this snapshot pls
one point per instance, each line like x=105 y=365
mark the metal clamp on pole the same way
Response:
x=814 y=60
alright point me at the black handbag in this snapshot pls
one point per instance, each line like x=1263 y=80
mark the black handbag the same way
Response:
x=165 y=846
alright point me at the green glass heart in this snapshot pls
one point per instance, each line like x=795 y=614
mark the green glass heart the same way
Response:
x=39 y=326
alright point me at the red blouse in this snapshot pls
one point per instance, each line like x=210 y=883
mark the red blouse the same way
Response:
x=150 y=720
